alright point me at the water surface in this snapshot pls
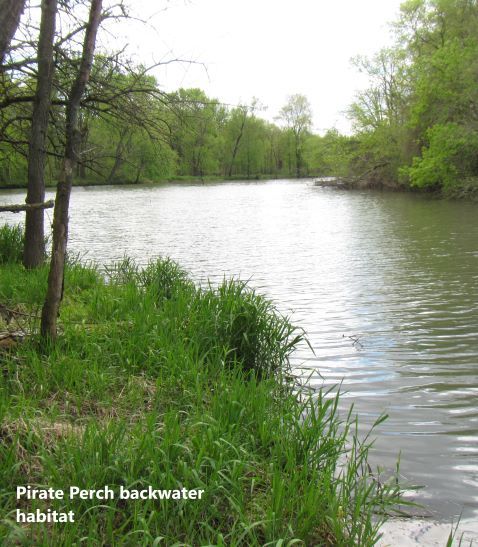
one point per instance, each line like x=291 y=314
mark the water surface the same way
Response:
x=396 y=272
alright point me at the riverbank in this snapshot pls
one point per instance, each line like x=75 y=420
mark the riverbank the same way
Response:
x=157 y=383
x=178 y=178
x=467 y=190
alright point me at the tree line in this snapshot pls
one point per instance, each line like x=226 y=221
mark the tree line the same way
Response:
x=131 y=131
x=418 y=120
x=415 y=125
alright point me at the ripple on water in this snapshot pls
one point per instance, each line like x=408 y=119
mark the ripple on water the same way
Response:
x=397 y=272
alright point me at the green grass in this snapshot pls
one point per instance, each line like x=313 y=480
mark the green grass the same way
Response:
x=11 y=244
x=154 y=381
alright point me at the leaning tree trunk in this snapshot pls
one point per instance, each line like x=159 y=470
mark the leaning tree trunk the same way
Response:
x=298 y=159
x=54 y=294
x=298 y=156
x=118 y=156
x=10 y=12
x=34 y=251
x=236 y=145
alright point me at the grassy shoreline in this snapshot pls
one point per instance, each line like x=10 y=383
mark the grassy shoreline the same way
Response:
x=156 y=382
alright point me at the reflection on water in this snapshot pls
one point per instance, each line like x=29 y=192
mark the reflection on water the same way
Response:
x=399 y=272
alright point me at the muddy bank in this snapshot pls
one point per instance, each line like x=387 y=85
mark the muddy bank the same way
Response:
x=467 y=190
x=370 y=183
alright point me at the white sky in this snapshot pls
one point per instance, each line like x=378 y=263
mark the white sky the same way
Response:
x=263 y=48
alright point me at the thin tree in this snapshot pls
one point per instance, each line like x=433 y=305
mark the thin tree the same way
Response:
x=242 y=112
x=297 y=114
x=10 y=12
x=34 y=249
x=53 y=298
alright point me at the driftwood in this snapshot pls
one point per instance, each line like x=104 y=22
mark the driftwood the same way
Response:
x=359 y=178
x=18 y=327
x=350 y=182
x=26 y=207
x=8 y=340
x=7 y=314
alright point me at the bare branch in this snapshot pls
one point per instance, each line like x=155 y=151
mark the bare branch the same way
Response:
x=26 y=207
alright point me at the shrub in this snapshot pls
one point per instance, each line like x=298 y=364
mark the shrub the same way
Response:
x=246 y=327
x=122 y=272
x=449 y=156
x=164 y=278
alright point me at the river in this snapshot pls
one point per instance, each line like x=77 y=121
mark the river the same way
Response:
x=385 y=284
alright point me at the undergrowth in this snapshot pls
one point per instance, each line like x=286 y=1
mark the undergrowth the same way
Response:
x=11 y=244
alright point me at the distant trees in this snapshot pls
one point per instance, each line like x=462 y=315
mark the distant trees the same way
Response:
x=235 y=130
x=195 y=132
x=127 y=126
x=329 y=155
x=419 y=117
x=297 y=115
x=129 y=130
x=416 y=122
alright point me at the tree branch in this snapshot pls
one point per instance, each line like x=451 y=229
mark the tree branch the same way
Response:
x=26 y=207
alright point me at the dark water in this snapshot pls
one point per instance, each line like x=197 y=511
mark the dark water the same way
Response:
x=397 y=272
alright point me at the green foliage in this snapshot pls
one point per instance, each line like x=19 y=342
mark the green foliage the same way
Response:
x=297 y=117
x=14 y=122
x=11 y=244
x=245 y=327
x=196 y=138
x=13 y=167
x=330 y=155
x=131 y=132
x=449 y=156
x=419 y=114
x=143 y=391
x=164 y=279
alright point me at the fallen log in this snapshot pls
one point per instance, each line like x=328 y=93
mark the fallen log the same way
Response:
x=352 y=180
x=26 y=207
x=347 y=183
x=7 y=314
x=8 y=340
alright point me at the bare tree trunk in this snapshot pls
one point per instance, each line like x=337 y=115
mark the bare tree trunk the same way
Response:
x=26 y=207
x=118 y=156
x=139 y=171
x=84 y=131
x=248 y=168
x=298 y=157
x=236 y=144
x=34 y=251
x=10 y=12
x=54 y=294
x=289 y=158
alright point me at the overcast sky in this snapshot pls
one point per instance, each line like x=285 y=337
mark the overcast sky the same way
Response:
x=263 y=48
